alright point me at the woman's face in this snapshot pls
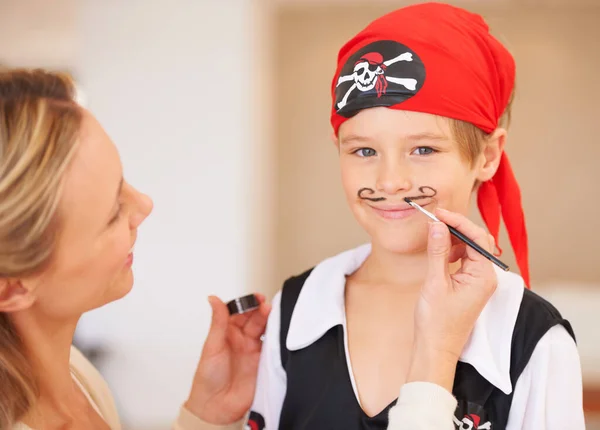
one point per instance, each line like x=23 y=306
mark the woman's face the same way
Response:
x=99 y=216
x=387 y=155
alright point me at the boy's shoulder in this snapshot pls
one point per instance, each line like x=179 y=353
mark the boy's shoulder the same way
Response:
x=534 y=306
x=535 y=318
x=345 y=262
x=534 y=312
x=296 y=281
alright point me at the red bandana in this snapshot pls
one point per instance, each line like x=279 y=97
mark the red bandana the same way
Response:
x=438 y=59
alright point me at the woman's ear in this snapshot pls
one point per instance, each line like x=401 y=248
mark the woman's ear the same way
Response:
x=14 y=296
x=491 y=155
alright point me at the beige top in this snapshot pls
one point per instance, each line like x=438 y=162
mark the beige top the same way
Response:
x=95 y=388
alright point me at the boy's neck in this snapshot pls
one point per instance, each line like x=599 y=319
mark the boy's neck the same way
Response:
x=384 y=267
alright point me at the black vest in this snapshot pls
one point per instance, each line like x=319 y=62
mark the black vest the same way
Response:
x=319 y=391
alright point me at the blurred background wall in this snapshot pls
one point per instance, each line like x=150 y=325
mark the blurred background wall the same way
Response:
x=220 y=110
x=174 y=83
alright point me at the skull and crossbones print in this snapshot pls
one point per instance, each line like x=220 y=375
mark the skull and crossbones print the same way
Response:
x=471 y=422
x=369 y=70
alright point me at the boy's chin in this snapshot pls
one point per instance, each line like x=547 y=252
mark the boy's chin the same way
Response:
x=401 y=244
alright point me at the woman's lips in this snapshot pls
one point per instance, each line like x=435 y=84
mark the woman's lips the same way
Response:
x=129 y=259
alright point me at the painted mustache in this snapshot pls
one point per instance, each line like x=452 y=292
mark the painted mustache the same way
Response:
x=426 y=193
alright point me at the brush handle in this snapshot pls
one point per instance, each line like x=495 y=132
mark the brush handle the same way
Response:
x=478 y=248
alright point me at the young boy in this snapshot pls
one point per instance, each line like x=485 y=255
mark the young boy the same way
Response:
x=420 y=97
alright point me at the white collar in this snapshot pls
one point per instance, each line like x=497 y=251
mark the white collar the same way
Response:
x=321 y=306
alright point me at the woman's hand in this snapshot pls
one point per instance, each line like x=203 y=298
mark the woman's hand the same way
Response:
x=225 y=380
x=450 y=304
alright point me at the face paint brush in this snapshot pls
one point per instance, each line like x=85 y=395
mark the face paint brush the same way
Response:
x=461 y=237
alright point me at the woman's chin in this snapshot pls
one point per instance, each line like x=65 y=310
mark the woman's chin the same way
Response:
x=120 y=289
x=127 y=285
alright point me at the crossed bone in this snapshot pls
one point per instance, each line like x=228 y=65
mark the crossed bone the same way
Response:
x=461 y=425
x=408 y=83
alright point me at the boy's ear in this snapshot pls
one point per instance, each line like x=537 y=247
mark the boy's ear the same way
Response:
x=491 y=154
x=14 y=296
x=335 y=140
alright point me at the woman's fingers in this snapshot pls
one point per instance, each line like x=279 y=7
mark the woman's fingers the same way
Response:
x=255 y=326
x=218 y=326
x=492 y=243
x=240 y=320
x=252 y=324
x=467 y=227
x=472 y=231
x=438 y=252
x=457 y=252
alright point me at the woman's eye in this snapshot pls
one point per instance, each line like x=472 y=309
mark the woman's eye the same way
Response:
x=424 y=150
x=365 y=152
x=116 y=217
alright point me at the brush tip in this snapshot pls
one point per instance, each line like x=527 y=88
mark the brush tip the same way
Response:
x=407 y=200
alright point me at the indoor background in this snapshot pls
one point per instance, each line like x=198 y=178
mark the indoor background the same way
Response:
x=220 y=110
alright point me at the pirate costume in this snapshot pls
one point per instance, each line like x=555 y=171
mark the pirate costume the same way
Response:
x=520 y=368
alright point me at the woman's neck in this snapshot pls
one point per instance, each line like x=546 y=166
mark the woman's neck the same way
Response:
x=47 y=343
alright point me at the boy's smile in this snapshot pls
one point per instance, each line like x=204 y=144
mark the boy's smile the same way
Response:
x=395 y=211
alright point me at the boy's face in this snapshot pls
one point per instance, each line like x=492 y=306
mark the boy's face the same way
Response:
x=387 y=155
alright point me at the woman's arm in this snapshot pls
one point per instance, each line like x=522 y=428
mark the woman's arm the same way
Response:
x=425 y=401
x=448 y=306
x=423 y=406
x=225 y=380
x=268 y=396
x=188 y=421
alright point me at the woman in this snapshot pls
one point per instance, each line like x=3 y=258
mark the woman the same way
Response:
x=68 y=223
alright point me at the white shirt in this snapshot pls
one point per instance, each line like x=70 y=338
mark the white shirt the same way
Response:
x=548 y=394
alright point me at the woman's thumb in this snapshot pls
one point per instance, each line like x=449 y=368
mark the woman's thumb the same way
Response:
x=438 y=250
x=218 y=324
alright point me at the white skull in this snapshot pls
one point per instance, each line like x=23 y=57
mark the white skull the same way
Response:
x=364 y=77
x=467 y=424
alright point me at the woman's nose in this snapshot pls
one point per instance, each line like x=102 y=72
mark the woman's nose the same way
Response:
x=142 y=208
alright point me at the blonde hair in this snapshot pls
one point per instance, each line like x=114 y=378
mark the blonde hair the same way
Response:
x=471 y=139
x=39 y=125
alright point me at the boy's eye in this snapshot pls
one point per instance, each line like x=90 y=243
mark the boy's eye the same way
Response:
x=365 y=152
x=424 y=150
